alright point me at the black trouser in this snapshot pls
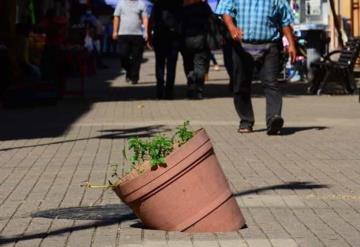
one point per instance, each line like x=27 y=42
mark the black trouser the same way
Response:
x=131 y=48
x=228 y=62
x=196 y=66
x=196 y=57
x=213 y=58
x=243 y=68
x=166 y=54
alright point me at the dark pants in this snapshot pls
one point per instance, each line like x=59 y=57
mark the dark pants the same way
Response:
x=196 y=57
x=213 y=58
x=166 y=55
x=131 y=48
x=196 y=66
x=228 y=62
x=268 y=67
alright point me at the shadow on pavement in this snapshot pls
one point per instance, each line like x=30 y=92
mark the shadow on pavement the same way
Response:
x=141 y=132
x=147 y=91
x=21 y=237
x=110 y=212
x=287 y=186
x=292 y=130
x=104 y=215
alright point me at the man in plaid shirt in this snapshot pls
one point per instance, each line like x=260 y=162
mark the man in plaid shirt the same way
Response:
x=257 y=27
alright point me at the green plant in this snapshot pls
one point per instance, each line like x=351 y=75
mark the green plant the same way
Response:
x=158 y=148
x=139 y=150
x=183 y=134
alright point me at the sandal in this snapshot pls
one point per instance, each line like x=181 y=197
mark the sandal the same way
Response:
x=245 y=130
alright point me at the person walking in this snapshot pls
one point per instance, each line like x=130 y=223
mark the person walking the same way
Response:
x=130 y=28
x=164 y=36
x=256 y=28
x=195 y=50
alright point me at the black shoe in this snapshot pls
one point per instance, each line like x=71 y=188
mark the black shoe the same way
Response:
x=199 y=95
x=134 y=82
x=169 y=96
x=159 y=95
x=274 y=125
x=190 y=94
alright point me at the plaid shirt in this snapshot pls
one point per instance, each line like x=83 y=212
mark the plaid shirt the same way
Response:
x=260 y=20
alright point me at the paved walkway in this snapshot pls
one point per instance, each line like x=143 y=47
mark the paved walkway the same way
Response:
x=301 y=188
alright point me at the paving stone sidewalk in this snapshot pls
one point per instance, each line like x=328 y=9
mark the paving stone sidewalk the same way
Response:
x=300 y=188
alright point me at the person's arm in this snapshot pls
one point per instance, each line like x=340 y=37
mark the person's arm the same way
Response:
x=235 y=32
x=150 y=27
x=116 y=25
x=288 y=33
x=145 y=21
x=226 y=8
x=116 y=21
x=287 y=18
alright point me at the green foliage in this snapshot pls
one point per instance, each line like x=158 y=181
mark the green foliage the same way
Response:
x=139 y=150
x=157 y=148
x=183 y=134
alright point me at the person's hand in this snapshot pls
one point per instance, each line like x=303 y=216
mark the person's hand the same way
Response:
x=292 y=53
x=146 y=37
x=236 y=34
x=149 y=43
x=114 y=36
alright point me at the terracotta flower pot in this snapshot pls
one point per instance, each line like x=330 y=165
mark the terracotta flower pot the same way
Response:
x=191 y=194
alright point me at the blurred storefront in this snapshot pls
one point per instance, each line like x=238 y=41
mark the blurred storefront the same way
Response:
x=317 y=13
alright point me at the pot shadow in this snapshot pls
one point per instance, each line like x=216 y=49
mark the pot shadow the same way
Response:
x=109 y=212
x=104 y=215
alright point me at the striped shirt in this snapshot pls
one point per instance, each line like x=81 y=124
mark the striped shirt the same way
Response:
x=260 y=20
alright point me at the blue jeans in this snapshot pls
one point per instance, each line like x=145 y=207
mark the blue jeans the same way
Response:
x=268 y=66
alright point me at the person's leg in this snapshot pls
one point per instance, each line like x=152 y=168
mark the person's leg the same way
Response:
x=136 y=53
x=171 y=60
x=124 y=53
x=201 y=66
x=228 y=63
x=160 y=55
x=268 y=75
x=243 y=67
x=188 y=64
x=212 y=58
x=214 y=61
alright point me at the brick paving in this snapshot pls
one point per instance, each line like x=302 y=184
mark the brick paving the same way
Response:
x=301 y=188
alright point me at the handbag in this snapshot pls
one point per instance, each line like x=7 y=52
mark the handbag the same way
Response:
x=215 y=38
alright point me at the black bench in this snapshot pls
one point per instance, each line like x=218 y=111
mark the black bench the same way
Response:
x=340 y=71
